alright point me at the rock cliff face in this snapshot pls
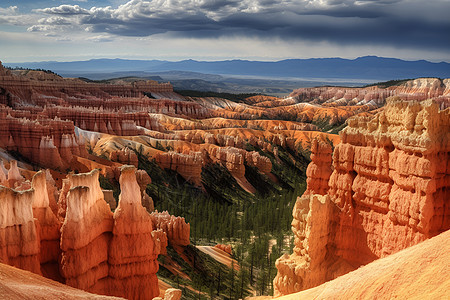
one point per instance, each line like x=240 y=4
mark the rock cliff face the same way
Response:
x=421 y=272
x=319 y=170
x=134 y=248
x=417 y=89
x=85 y=245
x=47 y=142
x=389 y=190
x=47 y=227
x=105 y=253
x=86 y=235
x=19 y=244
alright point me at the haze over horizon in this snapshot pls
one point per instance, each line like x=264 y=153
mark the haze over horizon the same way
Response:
x=264 y=30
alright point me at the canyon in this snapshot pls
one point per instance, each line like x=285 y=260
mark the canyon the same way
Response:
x=83 y=165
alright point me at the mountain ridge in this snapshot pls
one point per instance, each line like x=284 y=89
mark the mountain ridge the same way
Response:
x=366 y=67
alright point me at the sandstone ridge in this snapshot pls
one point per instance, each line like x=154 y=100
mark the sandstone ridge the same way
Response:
x=389 y=190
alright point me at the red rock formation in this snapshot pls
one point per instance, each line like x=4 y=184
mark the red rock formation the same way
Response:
x=225 y=248
x=109 y=198
x=388 y=191
x=421 y=272
x=14 y=177
x=187 y=165
x=3 y=174
x=86 y=234
x=124 y=156
x=47 y=227
x=143 y=180
x=133 y=249
x=49 y=143
x=19 y=243
x=319 y=170
x=52 y=192
x=417 y=89
x=176 y=228
x=98 y=251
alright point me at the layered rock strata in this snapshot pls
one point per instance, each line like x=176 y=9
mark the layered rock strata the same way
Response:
x=121 y=248
x=389 y=190
x=47 y=227
x=134 y=248
x=85 y=245
x=86 y=234
x=319 y=170
x=416 y=89
x=19 y=243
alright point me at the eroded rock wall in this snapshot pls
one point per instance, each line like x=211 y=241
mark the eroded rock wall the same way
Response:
x=19 y=243
x=176 y=228
x=84 y=244
x=86 y=234
x=134 y=248
x=389 y=190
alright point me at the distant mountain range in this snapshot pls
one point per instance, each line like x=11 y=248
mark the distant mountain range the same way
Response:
x=367 y=68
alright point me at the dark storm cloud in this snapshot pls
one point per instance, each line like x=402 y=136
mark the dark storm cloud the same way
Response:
x=398 y=23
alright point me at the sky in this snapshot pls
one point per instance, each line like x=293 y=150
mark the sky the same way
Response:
x=67 y=30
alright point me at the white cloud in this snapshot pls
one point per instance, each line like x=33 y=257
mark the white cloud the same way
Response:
x=101 y=39
x=64 y=10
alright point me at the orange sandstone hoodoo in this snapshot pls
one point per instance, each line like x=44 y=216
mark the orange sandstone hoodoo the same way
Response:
x=87 y=246
x=389 y=190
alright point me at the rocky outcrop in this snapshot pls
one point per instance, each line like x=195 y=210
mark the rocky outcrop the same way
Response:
x=176 y=228
x=225 y=248
x=187 y=165
x=124 y=243
x=416 y=89
x=19 y=243
x=48 y=142
x=143 y=179
x=85 y=245
x=421 y=272
x=319 y=170
x=170 y=294
x=124 y=156
x=134 y=247
x=86 y=234
x=388 y=191
x=47 y=227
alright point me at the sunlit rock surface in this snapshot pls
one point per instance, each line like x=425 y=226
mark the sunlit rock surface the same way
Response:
x=389 y=190
x=85 y=245
x=418 y=272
